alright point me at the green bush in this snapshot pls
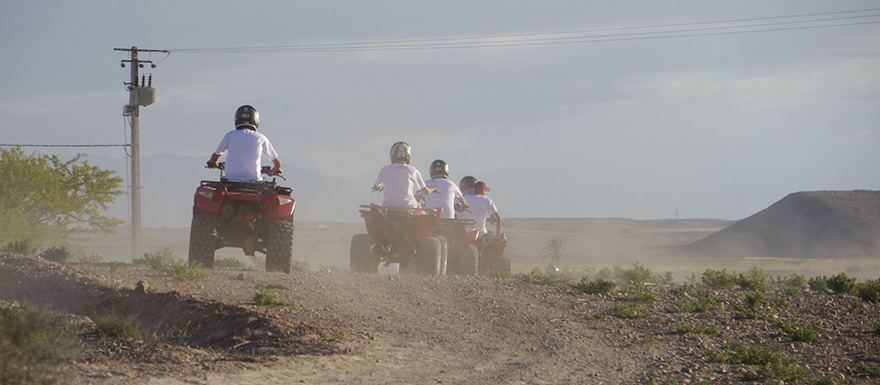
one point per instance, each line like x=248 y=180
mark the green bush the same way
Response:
x=771 y=364
x=799 y=330
x=818 y=283
x=23 y=247
x=869 y=291
x=114 y=325
x=33 y=348
x=640 y=274
x=599 y=286
x=637 y=292
x=842 y=284
x=56 y=254
x=166 y=262
x=719 y=279
x=755 y=280
x=701 y=301
x=546 y=279
x=793 y=284
x=628 y=311
x=266 y=298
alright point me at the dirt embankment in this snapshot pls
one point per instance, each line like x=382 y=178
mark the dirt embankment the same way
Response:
x=368 y=329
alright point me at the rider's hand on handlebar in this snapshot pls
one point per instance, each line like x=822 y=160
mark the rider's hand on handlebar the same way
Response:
x=212 y=164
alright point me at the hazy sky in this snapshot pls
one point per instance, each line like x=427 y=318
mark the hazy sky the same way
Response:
x=717 y=124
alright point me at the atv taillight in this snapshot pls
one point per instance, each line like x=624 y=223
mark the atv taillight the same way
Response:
x=283 y=200
x=208 y=194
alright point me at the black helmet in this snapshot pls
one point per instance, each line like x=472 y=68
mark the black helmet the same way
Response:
x=467 y=183
x=400 y=151
x=439 y=168
x=247 y=117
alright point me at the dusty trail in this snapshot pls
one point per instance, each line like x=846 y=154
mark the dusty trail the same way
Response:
x=381 y=329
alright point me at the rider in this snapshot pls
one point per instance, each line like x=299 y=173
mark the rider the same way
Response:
x=447 y=192
x=246 y=147
x=466 y=185
x=481 y=208
x=398 y=180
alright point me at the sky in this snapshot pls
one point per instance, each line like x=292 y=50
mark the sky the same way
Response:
x=655 y=110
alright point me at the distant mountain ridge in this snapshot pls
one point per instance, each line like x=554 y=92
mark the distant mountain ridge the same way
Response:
x=809 y=224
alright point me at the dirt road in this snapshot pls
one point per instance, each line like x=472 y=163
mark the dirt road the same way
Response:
x=344 y=328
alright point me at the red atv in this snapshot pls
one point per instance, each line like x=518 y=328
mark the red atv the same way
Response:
x=469 y=255
x=255 y=216
x=398 y=235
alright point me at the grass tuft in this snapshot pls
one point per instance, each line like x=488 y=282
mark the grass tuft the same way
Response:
x=33 y=348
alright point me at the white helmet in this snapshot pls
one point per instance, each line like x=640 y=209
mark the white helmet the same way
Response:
x=400 y=151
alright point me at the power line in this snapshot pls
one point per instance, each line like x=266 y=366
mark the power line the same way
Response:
x=664 y=31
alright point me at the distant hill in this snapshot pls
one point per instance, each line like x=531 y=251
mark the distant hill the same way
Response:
x=803 y=224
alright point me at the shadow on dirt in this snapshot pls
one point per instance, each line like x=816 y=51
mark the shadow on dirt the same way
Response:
x=171 y=316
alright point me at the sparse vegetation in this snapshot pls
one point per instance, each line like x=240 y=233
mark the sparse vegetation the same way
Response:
x=166 y=262
x=699 y=328
x=598 y=286
x=637 y=292
x=699 y=302
x=90 y=258
x=799 y=330
x=772 y=364
x=264 y=297
x=791 y=285
x=56 y=254
x=719 y=279
x=119 y=326
x=628 y=310
x=870 y=291
x=842 y=284
x=876 y=327
x=229 y=263
x=33 y=348
x=868 y=370
x=546 y=279
x=21 y=247
x=755 y=307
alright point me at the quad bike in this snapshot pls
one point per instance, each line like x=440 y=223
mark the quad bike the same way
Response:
x=398 y=235
x=470 y=255
x=255 y=216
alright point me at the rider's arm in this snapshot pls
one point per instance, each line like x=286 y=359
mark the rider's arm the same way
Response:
x=497 y=219
x=277 y=166
x=212 y=163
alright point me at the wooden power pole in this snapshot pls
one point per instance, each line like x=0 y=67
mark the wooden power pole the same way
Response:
x=140 y=94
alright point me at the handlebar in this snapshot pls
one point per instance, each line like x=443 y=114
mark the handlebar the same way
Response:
x=264 y=170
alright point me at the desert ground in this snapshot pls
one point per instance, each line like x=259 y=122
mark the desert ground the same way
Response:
x=331 y=326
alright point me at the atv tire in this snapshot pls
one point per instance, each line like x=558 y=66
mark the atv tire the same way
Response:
x=279 y=246
x=202 y=240
x=467 y=260
x=429 y=255
x=500 y=266
x=362 y=259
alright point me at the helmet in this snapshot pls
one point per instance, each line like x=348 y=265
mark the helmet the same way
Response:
x=247 y=117
x=439 y=168
x=400 y=151
x=467 y=183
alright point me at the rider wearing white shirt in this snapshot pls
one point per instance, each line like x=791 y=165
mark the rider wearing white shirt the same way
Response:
x=398 y=181
x=481 y=207
x=246 y=147
x=447 y=191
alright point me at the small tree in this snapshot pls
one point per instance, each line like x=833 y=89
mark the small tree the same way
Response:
x=44 y=199
x=554 y=250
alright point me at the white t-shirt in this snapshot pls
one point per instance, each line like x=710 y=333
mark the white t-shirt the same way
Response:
x=245 y=148
x=399 y=183
x=445 y=196
x=480 y=208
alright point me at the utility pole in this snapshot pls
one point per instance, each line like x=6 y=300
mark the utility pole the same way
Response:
x=142 y=94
